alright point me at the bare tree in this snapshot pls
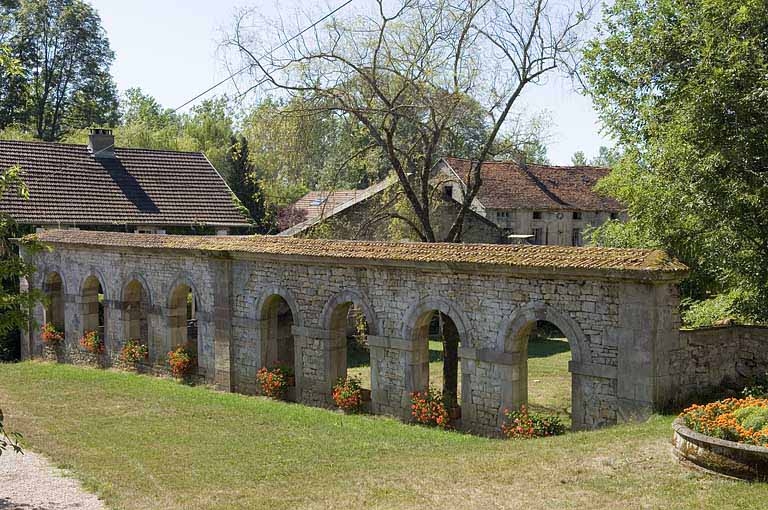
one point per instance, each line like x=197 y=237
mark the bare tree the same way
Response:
x=411 y=73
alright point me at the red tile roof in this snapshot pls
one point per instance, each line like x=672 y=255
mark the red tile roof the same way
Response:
x=508 y=185
x=68 y=186
x=321 y=203
x=524 y=256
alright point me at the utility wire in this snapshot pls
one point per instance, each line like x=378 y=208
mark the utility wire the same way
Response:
x=283 y=44
x=222 y=82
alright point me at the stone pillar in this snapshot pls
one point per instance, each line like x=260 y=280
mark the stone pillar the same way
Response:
x=492 y=381
x=647 y=327
x=312 y=364
x=398 y=368
x=222 y=324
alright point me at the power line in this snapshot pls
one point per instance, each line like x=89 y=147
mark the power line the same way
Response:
x=284 y=43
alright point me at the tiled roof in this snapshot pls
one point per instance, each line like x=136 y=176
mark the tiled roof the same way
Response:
x=336 y=204
x=523 y=256
x=508 y=185
x=68 y=186
x=320 y=203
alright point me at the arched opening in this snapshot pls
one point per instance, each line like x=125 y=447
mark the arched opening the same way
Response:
x=183 y=320
x=136 y=313
x=93 y=306
x=53 y=286
x=277 y=332
x=438 y=341
x=544 y=383
x=350 y=354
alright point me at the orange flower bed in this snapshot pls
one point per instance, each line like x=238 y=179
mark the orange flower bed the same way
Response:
x=741 y=420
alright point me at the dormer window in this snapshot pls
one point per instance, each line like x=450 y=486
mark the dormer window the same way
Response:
x=448 y=191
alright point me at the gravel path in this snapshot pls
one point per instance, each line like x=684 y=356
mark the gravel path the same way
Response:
x=30 y=482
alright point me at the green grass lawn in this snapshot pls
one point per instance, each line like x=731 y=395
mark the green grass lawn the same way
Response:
x=142 y=442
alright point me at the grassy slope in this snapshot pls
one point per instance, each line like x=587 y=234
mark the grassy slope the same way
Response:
x=142 y=442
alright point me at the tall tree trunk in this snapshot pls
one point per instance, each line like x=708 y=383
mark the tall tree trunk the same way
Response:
x=450 y=361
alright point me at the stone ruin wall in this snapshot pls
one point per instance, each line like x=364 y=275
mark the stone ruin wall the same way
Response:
x=619 y=328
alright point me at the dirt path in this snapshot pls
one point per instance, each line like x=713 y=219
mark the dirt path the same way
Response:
x=30 y=482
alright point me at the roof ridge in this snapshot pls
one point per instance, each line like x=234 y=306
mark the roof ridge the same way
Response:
x=85 y=146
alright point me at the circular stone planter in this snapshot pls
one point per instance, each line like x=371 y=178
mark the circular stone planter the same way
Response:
x=747 y=462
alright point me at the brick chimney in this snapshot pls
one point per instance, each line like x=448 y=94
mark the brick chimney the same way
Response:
x=101 y=143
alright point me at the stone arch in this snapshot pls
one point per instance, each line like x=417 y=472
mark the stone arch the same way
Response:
x=181 y=279
x=183 y=328
x=136 y=303
x=93 y=312
x=513 y=338
x=457 y=335
x=278 y=314
x=287 y=295
x=359 y=300
x=54 y=287
x=335 y=320
x=138 y=277
x=516 y=327
x=417 y=311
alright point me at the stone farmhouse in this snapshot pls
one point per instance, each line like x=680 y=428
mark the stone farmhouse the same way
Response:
x=101 y=187
x=551 y=204
x=539 y=204
x=362 y=214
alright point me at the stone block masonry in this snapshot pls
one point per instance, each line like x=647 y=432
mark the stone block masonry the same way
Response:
x=254 y=301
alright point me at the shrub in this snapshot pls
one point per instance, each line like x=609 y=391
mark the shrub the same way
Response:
x=741 y=420
x=428 y=408
x=273 y=381
x=348 y=394
x=50 y=334
x=8 y=439
x=523 y=424
x=92 y=342
x=134 y=351
x=757 y=387
x=181 y=362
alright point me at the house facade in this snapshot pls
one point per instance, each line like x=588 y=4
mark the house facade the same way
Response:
x=101 y=187
x=517 y=203
x=541 y=204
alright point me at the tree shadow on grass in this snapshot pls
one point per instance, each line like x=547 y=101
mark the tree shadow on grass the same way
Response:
x=545 y=348
x=7 y=504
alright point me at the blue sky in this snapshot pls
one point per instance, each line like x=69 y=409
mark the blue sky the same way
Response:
x=169 y=48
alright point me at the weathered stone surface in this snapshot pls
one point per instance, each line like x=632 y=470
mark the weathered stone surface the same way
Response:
x=619 y=315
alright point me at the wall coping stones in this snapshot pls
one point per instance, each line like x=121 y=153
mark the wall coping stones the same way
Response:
x=617 y=262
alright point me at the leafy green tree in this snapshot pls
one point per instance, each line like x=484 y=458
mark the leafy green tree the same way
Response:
x=8 y=440
x=579 y=159
x=14 y=305
x=681 y=85
x=65 y=56
x=247 y=187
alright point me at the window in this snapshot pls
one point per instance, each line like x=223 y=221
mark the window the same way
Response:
x=448 y=191
x=536 y=215
x=576 y=237
x=502 y=214
x=538 y=235
x=576 y=215
x=614 y=216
